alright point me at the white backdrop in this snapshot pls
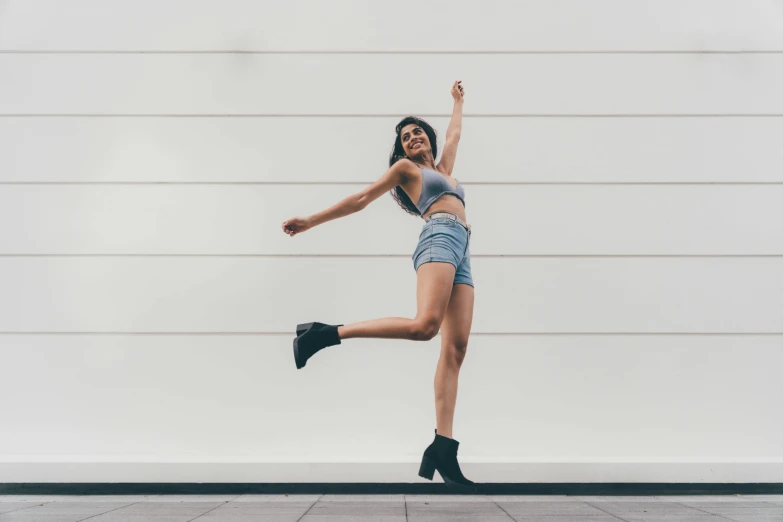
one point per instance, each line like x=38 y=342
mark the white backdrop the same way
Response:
x=624 y=176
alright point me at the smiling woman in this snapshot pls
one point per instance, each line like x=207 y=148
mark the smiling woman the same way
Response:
x=417 y=141
x=444 y=292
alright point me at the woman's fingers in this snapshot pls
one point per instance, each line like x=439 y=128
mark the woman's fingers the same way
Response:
x=457 y=89
x=292 y=226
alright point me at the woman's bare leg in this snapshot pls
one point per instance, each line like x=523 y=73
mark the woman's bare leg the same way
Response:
x=454 y=344
x=433 y=289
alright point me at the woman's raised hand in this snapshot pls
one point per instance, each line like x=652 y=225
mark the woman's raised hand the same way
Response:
x=295 y=225
x=457 y=91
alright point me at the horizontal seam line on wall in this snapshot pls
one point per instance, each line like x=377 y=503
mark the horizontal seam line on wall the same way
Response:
x=471 y=333
x=236 y=51
x=370 y=182
x=444 y=115
x=406 y=256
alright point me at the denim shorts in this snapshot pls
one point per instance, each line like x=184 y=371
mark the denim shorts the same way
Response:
x=444 y=240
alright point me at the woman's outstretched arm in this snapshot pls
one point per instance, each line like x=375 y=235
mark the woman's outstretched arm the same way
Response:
x=353 y=203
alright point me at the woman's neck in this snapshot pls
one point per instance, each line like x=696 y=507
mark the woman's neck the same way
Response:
x=428 y=162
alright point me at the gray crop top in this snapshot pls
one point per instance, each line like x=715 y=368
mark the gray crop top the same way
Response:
x=434 y=185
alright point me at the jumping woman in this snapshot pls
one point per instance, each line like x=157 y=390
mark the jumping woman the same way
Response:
x=444 y=288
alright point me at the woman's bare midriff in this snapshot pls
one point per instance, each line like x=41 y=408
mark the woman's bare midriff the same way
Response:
x=447 y=203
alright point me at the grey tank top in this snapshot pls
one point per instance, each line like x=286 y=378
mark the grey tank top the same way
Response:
x=434 y=185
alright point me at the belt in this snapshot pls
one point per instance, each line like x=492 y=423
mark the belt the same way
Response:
x=450 y=216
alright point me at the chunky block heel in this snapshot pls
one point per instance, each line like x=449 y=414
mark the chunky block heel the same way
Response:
x=302 y=328
x=427 y=468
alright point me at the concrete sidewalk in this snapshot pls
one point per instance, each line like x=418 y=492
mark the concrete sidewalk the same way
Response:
x=389 y=508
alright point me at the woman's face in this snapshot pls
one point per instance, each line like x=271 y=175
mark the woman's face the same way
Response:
x=414 y=140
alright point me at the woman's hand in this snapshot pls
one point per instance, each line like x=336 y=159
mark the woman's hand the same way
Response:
x=295 y=225
x=457 y=91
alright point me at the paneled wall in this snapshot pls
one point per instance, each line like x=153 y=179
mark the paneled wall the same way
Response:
x=624 y=175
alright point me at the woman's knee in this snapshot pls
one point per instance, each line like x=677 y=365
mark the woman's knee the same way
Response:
x=425 y=329
x=457 y=352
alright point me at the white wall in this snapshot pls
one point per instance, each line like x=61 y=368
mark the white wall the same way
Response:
x=624 y=176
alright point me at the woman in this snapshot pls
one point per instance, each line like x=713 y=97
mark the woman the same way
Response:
x=442 y=264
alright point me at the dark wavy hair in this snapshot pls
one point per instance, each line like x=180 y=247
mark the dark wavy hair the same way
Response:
x=398 y=153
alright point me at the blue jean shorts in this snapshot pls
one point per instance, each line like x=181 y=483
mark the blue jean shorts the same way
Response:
x=444 y=240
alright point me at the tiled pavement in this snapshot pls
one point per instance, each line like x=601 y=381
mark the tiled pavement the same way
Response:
x=389 y=508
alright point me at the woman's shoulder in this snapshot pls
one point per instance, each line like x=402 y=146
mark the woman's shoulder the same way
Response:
x=409 y=168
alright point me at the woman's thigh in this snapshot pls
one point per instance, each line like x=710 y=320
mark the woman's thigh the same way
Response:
x=434 y=281
x=439 y=253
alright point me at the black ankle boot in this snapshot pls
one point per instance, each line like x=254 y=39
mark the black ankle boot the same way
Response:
x=312 y=337
x=442 y=455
